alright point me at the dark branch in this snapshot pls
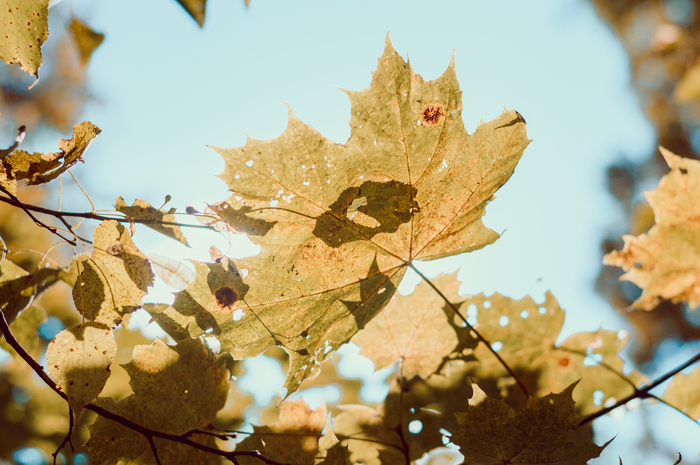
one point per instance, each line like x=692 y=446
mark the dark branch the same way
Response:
x=642 y=393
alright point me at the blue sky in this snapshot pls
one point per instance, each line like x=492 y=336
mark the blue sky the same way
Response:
x=165 y=88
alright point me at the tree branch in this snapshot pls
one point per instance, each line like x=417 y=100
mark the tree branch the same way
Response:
x=642 y=393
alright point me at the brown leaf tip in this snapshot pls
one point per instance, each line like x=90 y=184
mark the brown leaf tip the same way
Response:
x=225 y=298
x=432 y=114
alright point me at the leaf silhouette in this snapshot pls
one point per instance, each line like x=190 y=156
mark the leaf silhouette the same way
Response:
x=492 y=432
x=664 y=261
x=294 y=438
x=343 y=221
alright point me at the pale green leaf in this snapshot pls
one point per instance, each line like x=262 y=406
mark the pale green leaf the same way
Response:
x=25 y=28
x=413 y=328
x=664 y=262
x=114 y=279
x=142 y=210
x=492 y=432
x=78 y=360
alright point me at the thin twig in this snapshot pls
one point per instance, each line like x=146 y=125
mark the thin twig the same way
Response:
x=66 y=439
x=153 y=449
x=12 y=200
x=642 y=393
x=478 y=335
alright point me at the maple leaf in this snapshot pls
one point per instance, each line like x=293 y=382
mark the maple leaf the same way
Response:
x=330 y=450
x=114 y=279
x=492 y=432
x=339 y=223
x=294 y=438
x=525 y=335
x=40 y=168
x=25 y=29
x=166 y=398
x=142 y=210
x=86 y=39
x=414 y=329
x=78 y=360
x=683 y=393
x=664 y=261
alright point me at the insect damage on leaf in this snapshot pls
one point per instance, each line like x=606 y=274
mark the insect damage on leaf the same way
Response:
x=432 y=114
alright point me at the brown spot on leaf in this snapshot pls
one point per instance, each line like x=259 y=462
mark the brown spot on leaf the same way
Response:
x=225 y=298
x=432 y=114
x=565 y=361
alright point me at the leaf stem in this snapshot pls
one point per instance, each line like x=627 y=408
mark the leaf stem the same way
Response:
x=478 y=335
x=642 y=393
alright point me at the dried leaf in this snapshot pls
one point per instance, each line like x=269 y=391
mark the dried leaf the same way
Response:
x=78 y=359
x=492 y=432
x=166 y=398
x=87 y=39
x=142 y=210
x=330 y=450
x=683 y=393
x=25 y=29
x=40 y=168
x=195 y=8
x=664 y=261
x=114 y=279
x=414 y=329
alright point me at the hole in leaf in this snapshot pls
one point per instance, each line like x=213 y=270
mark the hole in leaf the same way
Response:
x=415 y=427
x=524 y=314
x=598 y=397
x=541 y=310
x=496 y=346
x=486 y=304
x=503 y=321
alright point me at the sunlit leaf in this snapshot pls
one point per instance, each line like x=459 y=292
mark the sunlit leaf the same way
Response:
x=114 y=279
x=339 y=223
x=24 y=329
x=87 y=39
x=78 y=360
x=664 y=262
x=25 y=28
x=330 y=450
x=18 y=288
x=414 y=329
x=492 y=432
